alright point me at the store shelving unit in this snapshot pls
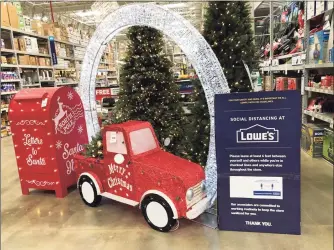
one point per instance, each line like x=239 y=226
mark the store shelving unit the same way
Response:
x=325 y=117
x=9 y=93
x=319 y=90
x=15 y=32
x=323 y=68
x=300 y=64
x=32 y=76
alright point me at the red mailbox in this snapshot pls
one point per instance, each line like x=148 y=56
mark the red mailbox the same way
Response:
x=49 y=127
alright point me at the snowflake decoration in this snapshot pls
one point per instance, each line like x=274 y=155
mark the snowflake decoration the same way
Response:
x=59 y=144
x=70 y=95
x=80 y=129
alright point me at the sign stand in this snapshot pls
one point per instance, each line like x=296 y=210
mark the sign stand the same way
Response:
x=209 y=218
x=258 y=161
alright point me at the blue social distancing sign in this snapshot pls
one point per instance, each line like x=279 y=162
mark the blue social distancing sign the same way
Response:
x=258 y=161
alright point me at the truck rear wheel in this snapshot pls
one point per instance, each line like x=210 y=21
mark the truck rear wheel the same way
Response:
x=157 y=213
x=88 y=192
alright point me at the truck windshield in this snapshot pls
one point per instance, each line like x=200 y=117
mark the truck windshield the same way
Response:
x=142 y=140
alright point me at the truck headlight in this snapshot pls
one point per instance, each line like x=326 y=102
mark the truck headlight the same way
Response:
x=190 y=194
x=203 y=187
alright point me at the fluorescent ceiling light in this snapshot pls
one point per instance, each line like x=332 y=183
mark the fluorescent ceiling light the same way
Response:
x=37 y=17
x=87 y=13
x=175 y=5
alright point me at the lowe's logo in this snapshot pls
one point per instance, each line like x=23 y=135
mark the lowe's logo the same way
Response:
x=257 y=133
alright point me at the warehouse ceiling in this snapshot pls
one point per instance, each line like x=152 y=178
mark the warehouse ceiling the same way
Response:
x=92 y=12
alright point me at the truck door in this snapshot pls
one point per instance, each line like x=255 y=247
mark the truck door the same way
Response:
x=119 y=180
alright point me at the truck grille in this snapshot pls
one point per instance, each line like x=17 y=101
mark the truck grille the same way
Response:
x=198 y=195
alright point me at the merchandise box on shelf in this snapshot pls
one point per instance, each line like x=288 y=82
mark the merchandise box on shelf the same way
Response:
x=281 y=83
x=312 y=139
x=267 y=84
x=41 y=61
x=24 y=59
x=32 y=60
x=37 y=27
x=328 y=146
x=319 y=7
x=315 y=8
x=47 y=62
x=11 y=60
x=13 y=16
x=18 y=7
x=327 y=82
x=22 y=44
x=310 y=9
x=27 y=24
x=4 y=15
x=3 y=60
x=30 y=44
x=16 y=44
x=48 y=29
x=318 y=43
x=331 y=55
x=293 y=83
x=21 y=22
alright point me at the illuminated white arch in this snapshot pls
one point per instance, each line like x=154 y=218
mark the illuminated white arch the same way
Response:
x=184 y=35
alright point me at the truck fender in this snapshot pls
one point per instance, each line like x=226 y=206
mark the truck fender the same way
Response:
x=95 y=179
x=170 y=202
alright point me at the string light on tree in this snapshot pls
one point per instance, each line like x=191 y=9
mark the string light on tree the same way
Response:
x=151 y=89
x=227 y=43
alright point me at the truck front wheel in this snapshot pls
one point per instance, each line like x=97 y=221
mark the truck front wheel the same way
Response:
x=88 y=192
x=158 y=213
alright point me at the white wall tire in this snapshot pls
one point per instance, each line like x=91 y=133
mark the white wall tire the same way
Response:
x=157 y=213
x=88 y=192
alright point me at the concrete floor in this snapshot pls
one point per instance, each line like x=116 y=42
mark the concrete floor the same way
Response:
x=41 y=221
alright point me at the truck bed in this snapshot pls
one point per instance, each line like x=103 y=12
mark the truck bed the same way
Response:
x=86 y=164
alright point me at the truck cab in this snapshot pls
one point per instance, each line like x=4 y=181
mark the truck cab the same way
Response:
x=136 y=171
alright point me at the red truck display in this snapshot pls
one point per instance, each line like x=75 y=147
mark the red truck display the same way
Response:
x=136 y=171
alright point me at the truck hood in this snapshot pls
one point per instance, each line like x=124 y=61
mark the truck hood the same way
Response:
x=189 y=172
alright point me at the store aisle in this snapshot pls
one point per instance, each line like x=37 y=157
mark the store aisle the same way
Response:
x=41 y=221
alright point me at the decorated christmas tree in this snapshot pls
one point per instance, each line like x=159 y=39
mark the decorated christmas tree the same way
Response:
x=147 y=88
x=95 y=147
x=198 y=127
x=228 y=31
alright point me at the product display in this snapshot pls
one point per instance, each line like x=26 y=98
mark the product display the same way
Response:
x=302 y=48
x=318 y=47
x=322 y=82
x=288 y=31
x=190 y=112
x=48 y=126
x=312 y=139
x=328 y=145
x=137 y=165
x=9 y=87
x=9 y=75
